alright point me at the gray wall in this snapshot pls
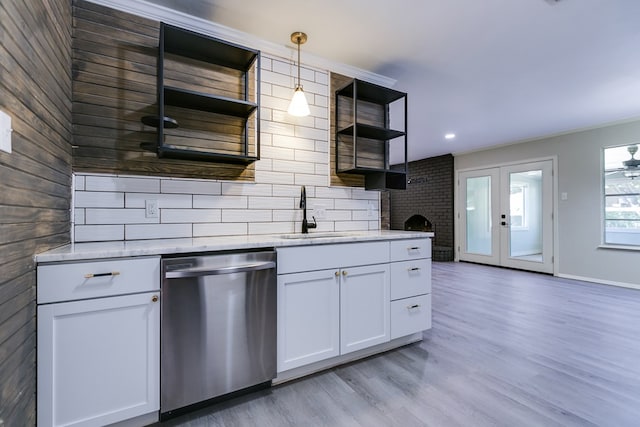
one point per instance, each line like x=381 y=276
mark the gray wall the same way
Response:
x=579 y=221
x=35 y=91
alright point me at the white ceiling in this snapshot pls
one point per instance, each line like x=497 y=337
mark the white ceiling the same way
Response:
x=491 y=71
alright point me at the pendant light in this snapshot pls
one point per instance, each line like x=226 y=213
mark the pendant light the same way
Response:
x=298 y=106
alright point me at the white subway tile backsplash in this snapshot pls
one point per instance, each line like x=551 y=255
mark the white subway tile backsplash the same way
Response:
x=98 y=233
x=288 y=191
x=265 y=89
x=311 y=157
x=333 y=192
x=245 y=189
x=78 y=182
x=363 y=215
x=274 y=103
x=310 y=133
x=219 y=202
x=91 y=199
x=274 y=153
x=270 y=227
x=282 y=67
x=275 y=177
x=351 y=204
x=374 y=225
x=321 y=123
x=184 y=216
x=265 y=63
x=307 y=179
x=361 y=193
x=264 y=165
x=157 y=231
x=287 y=215
x=137 y=200
x=189 y=186
x=277 y=128
x=292 y=142
x=78 y=216
x=293 y=166
x=334 y=215
x=124 y=184
x=351 y=225
x=219 y=229
x=322 y=78
x=277 y=79
x=118 y=216
x=246 y=215
x=271 y=202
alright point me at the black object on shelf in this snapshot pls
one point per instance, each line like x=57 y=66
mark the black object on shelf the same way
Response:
x=355 y=134
x=154 y=121
x=229 y=59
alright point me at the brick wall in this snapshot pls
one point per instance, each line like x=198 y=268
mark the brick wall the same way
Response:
x=429 y=194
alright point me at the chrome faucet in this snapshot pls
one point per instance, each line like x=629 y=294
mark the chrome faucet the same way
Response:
x=306 y=225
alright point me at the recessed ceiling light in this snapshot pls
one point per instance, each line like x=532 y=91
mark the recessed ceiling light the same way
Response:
x=449 y=135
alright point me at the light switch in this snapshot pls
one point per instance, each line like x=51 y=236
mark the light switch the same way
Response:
x=5 y=132
x=564 y=196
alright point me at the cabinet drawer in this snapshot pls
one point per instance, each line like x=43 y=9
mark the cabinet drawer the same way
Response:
x=410 y=278
x=320 y=257
x=410 y=315
x=73 y=281
x=402 y=250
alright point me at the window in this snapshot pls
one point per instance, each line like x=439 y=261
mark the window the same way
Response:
x=621 y=199
x=518 y=206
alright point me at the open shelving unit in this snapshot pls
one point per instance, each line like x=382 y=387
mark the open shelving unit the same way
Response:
x=208 y=97
x=364 y=113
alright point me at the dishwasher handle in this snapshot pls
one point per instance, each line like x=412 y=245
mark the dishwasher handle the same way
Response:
x=200 y=272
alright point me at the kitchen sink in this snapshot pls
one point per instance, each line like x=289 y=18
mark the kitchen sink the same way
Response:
x=326 y=235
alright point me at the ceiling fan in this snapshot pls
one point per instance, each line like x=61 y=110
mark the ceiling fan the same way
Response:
x=632 y=166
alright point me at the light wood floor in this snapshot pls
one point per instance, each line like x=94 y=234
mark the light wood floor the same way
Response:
x=507 y=348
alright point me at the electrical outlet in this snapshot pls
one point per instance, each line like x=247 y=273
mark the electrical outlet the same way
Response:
x=151 y=208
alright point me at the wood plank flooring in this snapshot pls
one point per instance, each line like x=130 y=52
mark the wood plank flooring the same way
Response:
x=507 y=348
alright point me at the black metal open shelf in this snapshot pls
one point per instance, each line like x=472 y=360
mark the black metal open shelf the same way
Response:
x=206 y=102
x=186 y=154
x=371 y=132
x=208 y=49
x=370 y=92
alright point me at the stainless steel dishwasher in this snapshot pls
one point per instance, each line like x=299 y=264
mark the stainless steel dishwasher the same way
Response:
x=218 y=323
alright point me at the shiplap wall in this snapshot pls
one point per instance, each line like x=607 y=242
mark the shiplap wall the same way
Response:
x=295 y=152
x=35 y=90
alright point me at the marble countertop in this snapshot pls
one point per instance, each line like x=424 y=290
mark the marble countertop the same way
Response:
x=98 y=250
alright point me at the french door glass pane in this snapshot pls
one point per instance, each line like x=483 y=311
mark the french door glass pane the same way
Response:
x=525 y=215
x=478 y=207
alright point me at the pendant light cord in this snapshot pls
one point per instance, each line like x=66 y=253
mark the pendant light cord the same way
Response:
x=298 y=61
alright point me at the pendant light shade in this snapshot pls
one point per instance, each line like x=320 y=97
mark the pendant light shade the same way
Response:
x=299 y=106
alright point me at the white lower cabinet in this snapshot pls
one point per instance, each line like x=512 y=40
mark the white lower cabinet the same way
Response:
x=364 y=307
x=98 y=358
x=308 y=318
x=410 y=315
x=329 y=312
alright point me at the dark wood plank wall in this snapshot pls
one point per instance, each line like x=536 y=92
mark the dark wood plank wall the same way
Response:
x=114 y=85
x=35 y=90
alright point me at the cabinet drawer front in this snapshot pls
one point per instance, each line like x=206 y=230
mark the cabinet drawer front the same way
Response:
x=410 y=278
x=402 y=250
x=321 y=257
x=91 y=279
x=410 y=315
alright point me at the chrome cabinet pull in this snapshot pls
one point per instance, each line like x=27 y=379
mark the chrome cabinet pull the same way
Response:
x=413 y=269
x=91 y=275
x=411 y=307
x=413 y=248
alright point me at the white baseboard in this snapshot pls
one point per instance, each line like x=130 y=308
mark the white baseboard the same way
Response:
x=600 y=281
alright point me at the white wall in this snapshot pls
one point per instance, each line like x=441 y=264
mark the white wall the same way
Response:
x=294 y=152
x=579 y=174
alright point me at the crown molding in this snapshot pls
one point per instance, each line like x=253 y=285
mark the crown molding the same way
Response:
x=180 y=19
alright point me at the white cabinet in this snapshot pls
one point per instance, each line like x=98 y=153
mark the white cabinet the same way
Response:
x=308 y=318
x=410 y=286
x=329 y=303
x=98 y=358
x=364 y=307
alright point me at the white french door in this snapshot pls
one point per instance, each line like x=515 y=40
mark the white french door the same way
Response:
x=505 y=216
